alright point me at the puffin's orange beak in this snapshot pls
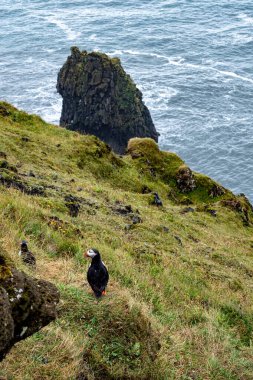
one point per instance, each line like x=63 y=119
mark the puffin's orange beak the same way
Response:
x=85 y=254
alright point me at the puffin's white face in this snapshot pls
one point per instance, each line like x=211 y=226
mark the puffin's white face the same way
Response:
x=91 y=253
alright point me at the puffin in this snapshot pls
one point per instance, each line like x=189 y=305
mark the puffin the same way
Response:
x=157 y=201
x=27 y=256
x=97 y=274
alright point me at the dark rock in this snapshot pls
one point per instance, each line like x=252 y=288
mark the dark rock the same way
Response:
x=55 y=222
x=186 y=201
x=79 y=189
x=136 y=219
x=89 y=202
x=3 y=155
x=179 y=240
x=26 y=305
x=233 y=204
x=193 y=238
x=25 y=139
x=212 y=212
x=11 y=181
x=245 y=200
x=8 y=179
x=185 y=180
x=187 y=209
x=58 y=145
x=145 y=190
x=73 y=204
x=4 y=111
x=122 y=209
x=216 y=191
x=99 y=98
x=5 y=165
x=165 y=229
x=36 y=190
x=60 y=225
x=242 y=206
x=31 y=174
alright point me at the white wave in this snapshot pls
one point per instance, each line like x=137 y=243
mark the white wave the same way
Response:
x=242 y=19
x=179 y=61
x=226 y=28
x=51 y=114
x=167 y=93
x=29 y=60
x=234 y=75
x=242 y=39
x=157 y=98
x=48 y=50
x=93 y=37
x=246 y=19
x=71 y=34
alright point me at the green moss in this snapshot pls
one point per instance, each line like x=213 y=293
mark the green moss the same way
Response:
x=127 y=341
x=153 y=162
x=17 y=116
x=5 y=269
x=165 y=166
x=242 y=323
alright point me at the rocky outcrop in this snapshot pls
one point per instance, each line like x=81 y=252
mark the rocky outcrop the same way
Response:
x=216 y=191
x=185 y=179
x=99 y=98
x=26 y=305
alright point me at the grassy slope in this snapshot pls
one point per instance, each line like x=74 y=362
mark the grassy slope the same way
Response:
x=175 y=308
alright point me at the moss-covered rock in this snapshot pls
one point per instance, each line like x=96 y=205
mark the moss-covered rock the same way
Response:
x=99 y=98
x=185 y=179
x=26 y=305
x=152 y=161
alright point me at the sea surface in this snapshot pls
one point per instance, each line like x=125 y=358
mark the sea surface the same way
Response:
x=192 y=59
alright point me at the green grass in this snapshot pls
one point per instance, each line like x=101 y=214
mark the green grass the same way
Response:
x=179 y=300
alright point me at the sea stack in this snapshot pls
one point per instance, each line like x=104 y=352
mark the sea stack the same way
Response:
x=100 y=99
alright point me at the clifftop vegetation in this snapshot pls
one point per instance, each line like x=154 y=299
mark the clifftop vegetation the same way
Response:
x=179 y=300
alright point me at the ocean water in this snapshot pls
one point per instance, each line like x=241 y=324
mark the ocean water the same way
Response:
x=192 y=59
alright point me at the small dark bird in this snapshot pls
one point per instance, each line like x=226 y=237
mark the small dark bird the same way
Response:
x=97 y=274
x=157 y=200
x=27 y=256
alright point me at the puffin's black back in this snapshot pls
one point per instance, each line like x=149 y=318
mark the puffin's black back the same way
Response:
x=97 y=275
x=27 y=256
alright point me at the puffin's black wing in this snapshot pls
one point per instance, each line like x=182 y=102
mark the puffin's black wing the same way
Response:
x=98 y=277
x=29 y=258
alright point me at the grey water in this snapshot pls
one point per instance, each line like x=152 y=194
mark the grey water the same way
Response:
x=192 y=59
